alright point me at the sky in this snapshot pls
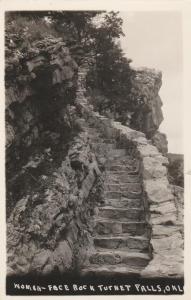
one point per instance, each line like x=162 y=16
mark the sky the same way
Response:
x=154 y=39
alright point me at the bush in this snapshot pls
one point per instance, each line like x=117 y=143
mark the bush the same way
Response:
x=176 y=169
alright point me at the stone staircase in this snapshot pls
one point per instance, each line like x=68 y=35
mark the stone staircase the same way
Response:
x=120 y=241
x=136 y=228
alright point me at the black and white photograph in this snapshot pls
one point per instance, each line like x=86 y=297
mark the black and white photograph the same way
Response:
x=94 y=156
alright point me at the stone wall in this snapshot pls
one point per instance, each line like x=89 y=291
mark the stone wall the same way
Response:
x=166 y=238
x=160 y=203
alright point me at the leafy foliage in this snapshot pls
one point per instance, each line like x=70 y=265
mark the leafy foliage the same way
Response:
x=76 y=24
x=112 y=75
x=176 y=169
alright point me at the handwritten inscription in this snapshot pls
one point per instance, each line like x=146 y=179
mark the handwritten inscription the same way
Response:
x=140 y=288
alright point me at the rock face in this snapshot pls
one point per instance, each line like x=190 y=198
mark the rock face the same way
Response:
x=38 y=100
x=145 y=87
x=51 y=169
x=48 y=226
x=160 y=141
x=48 y=70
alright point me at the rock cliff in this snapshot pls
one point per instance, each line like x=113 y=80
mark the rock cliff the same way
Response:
x=50 y=166
x=36 y=105
x=141 y=109
x=58 y=149
x=144 y=91
x=49 y=228
x=47 y=71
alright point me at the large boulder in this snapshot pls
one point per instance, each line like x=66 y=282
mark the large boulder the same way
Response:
x=147 y=115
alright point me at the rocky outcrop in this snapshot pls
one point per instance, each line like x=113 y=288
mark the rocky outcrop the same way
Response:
x=51 y=169
x=40 y=89
x=49 y=229
x=144 y=93
x=47 y=70
x=140 y=109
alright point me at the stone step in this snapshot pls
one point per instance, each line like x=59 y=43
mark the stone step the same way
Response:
x=117 y=153
x=93 y=135
x=111 y=270
x=114 y=187
x=92 y=126
x=111 y=227
x=122 y=214
x=122 y=194
x=133 y=172
x=121 y=167
x=93 y=130
x=109 y=141
x=113 y=257
x=116 y=162
x=122 y=159
x=134 y=187
x=94 y=140
x=131 y=188
x=117 y=174
x=132 y=194
x=121 y=174
x=124 y=203
x=113 y=178
x=103 y=146
x=132 y=243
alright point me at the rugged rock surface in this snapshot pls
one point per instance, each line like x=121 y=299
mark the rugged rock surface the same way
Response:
x=141 y=109
x=38 y=100
x=47 y=70
x=145 y=87
x=51 y=169
x=49 y=227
